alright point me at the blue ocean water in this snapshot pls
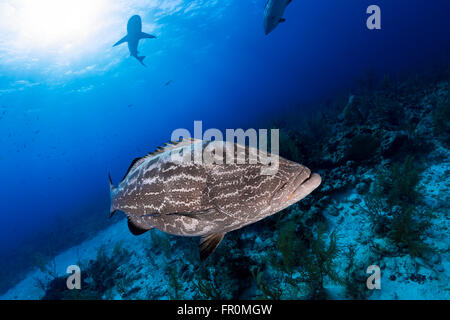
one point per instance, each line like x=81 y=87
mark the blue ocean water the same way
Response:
x=73 y=108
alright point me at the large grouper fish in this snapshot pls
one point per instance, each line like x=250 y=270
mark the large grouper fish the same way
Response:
x=209 y=199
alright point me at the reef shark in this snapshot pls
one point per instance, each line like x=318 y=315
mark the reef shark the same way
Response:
x=207 y=199
x=273 y=14
x=134 y=29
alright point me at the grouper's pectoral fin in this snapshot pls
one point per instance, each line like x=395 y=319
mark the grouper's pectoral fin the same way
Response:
x=209 y=243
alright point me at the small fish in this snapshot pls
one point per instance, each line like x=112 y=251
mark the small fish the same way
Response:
x=209 y=199
x=168 y=82
x=134 y=28
x=273 y=14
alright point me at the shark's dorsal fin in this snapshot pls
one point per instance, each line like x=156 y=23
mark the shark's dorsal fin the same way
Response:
x=171 y=145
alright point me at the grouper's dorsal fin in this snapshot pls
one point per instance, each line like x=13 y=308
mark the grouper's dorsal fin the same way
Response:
x=134 y=164
x=171 y=145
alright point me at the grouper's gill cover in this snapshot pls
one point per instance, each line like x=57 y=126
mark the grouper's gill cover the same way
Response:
x=206 y=199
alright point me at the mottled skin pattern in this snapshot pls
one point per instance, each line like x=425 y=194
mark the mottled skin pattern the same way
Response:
x=189 y=199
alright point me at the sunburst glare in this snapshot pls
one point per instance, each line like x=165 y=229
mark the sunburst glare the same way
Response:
x=46 y=22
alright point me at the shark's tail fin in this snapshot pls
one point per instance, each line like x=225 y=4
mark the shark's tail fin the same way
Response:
x=141 y=60
x=111 y=189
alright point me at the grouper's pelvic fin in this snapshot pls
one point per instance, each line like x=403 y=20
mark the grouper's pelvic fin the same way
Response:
x=135 y=229
x=111 y=190
x=209 y=243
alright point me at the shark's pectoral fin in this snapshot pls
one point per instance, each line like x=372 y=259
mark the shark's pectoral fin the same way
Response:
x=146 y=36
x=123 y=40
x=282 y=20
x=209 y=243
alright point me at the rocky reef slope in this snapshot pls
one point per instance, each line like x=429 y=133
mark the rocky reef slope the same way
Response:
x=384 y=156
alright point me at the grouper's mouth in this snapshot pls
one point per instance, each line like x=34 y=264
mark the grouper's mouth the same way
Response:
x=306 y=183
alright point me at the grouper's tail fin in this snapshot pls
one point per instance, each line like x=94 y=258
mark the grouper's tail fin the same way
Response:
x=111 y=186
x=111 y=190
